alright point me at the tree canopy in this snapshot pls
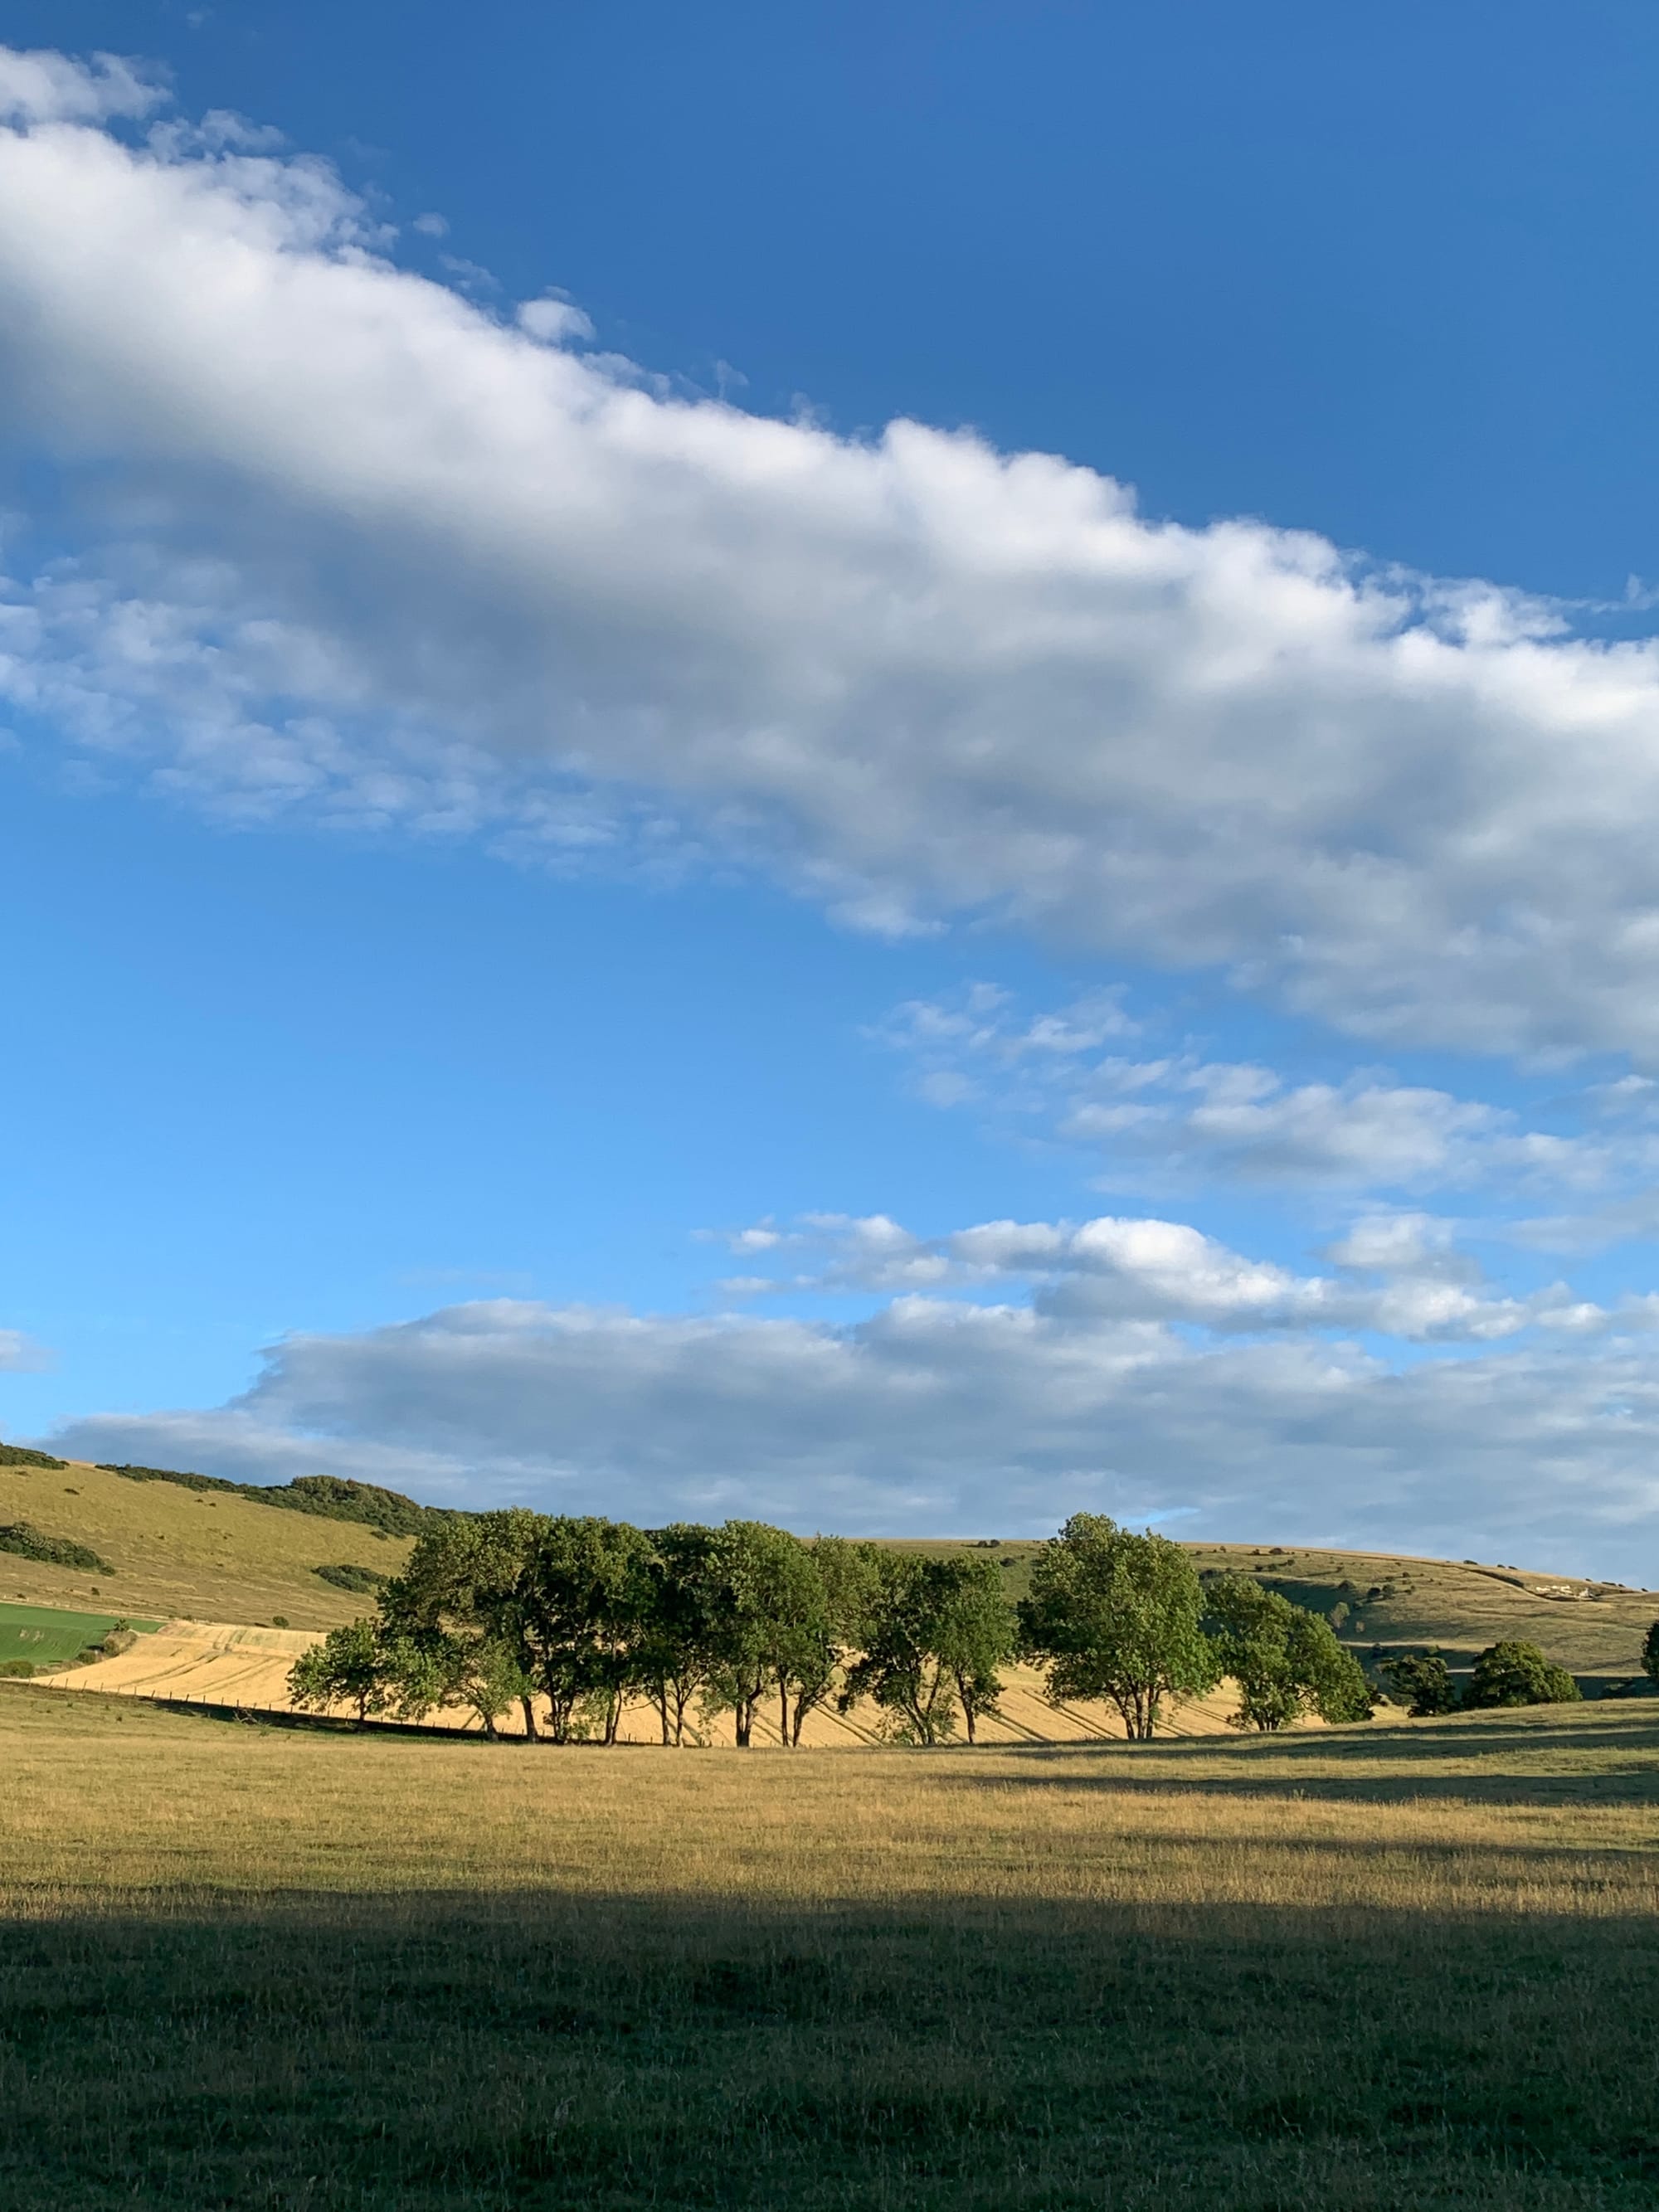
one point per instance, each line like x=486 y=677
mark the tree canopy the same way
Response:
x=1512 y=1673
x=1116 y=1615
x=1286 y=1662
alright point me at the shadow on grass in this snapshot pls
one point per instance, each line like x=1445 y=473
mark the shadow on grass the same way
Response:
x=1566 y=1761
x=540 y=2050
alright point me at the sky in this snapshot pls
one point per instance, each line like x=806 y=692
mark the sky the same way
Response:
x=892 y=768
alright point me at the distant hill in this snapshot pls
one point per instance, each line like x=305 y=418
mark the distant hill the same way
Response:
x=312 y=1552
x=192 y=1547
x=1380 y=1603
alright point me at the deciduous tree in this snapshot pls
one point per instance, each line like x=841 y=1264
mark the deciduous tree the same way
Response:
x=1512 y=1673
x=1285 y=1660
x=1117 y=1616
x=1423 y=1680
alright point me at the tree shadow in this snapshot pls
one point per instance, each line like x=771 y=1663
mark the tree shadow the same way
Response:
x=543 y=2049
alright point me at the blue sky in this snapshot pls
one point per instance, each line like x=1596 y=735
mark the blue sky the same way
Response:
x=886 y=766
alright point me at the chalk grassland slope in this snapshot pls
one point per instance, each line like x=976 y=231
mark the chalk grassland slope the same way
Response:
x=184 y=1552
x=221 y=1664
x=1595 y=1629
x=218 y=1558
x=1404 y=1968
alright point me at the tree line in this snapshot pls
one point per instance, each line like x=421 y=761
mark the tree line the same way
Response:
x=570 y=1618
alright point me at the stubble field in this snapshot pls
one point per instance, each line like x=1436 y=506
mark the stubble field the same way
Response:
x=1401 y=1966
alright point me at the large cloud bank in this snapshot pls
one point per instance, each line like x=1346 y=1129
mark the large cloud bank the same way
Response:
x=373 y=550
x=1150 y=1371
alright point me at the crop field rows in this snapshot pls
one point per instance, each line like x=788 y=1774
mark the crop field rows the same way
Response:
x=220 y=1663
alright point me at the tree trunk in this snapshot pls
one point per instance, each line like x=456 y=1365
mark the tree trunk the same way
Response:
x=967 y=1716
x=531 y=1735
x=740 y=1718
x=783 y=1713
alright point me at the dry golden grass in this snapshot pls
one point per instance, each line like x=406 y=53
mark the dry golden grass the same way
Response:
x=1373 y=1969
x=184 y=1552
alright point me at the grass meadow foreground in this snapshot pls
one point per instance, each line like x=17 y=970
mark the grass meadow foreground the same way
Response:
x=1395 y=1967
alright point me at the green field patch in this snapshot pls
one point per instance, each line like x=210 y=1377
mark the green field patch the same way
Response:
x=45 y=1636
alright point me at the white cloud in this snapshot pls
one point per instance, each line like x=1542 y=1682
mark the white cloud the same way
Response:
x=42 y=87
x=555 y=320
x=911 y=675
x=940 y=1417
x=21 y=1355
x=1422 y=1291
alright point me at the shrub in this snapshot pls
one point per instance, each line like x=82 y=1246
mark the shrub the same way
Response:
x=1517 y=1673
x=21 y=1667
x=360 y=1581
x=1650 y=1654
x=279 y=1621
x=332 y=1497
x=28 y=1543
x=20 y=1456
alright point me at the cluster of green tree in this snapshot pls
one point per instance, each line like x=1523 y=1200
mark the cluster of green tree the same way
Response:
x=20 y=1456
x=569 y=1617
x=30 y=1543
x=1510 y=1673
x=363 y=1582
x=330 y=1496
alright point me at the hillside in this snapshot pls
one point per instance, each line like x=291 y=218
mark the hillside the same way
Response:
x=209 y=1554
x=1594 y=1629
x=184 y=1553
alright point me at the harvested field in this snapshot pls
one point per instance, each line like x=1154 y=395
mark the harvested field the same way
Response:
x=1380 y=1970
x=220 y=1664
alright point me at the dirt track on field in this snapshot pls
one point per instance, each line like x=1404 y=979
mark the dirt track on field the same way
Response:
x=221 y=1663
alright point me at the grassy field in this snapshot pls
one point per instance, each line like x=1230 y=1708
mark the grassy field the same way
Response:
x=1404 y=1967
x=182 y=1553
x=47 y=1636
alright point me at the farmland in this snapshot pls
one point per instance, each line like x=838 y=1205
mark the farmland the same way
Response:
x=1392 y=1967
x=47 y=1636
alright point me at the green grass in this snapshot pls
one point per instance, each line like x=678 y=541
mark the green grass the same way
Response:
x=48 y=1637
x=1390 y=1971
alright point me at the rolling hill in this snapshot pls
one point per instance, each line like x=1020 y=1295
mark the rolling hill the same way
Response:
x=225 y=1554
x=184 y=1553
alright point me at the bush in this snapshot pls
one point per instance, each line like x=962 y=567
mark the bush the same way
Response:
x=1517 y=1673
x=332 y=1497
x=279 y=1621
x=1650 y=1654
x=360 y=1581
x=20 y=1456
x=21 y=1667
x=28 y=1543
